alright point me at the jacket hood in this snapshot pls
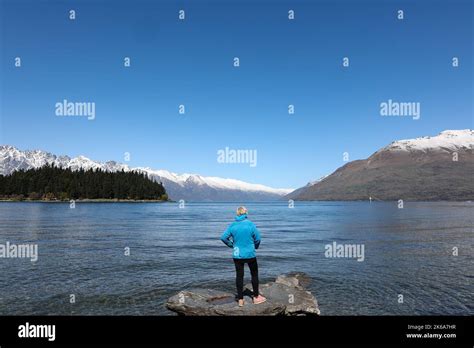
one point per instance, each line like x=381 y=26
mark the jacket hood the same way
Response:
x=241 y=217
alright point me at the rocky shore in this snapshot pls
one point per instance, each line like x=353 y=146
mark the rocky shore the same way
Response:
x=285 y=296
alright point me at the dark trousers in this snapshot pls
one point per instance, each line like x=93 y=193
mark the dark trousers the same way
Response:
x=239 y=279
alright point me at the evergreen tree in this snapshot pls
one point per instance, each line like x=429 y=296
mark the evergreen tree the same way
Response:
x=52 y=183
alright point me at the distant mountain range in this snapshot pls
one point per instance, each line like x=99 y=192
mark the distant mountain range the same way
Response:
x=428 y=168
x=190 y=187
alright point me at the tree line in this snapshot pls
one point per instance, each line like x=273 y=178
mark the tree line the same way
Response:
x=54 y=183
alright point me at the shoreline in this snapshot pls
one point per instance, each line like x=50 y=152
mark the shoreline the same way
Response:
x=98 y=200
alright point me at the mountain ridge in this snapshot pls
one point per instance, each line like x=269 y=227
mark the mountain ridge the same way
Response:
x=179 y=186
x=429 y=168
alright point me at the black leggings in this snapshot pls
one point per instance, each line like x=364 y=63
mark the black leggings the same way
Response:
x=239 y=279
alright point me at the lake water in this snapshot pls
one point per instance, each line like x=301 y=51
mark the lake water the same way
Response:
x=81 y=251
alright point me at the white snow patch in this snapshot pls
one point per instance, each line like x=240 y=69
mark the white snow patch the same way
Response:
x=448 y=140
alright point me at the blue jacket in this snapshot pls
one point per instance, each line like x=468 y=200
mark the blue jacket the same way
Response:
x=243 y=236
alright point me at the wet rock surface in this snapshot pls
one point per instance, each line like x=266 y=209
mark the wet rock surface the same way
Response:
x=285 y=296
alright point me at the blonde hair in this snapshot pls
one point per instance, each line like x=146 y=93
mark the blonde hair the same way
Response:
x=241 y=211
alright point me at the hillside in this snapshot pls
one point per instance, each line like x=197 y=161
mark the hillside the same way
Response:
x=428 y=168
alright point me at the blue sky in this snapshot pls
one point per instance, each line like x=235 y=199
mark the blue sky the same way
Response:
x=190 y=62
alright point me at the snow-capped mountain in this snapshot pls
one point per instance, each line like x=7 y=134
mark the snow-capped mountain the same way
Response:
x=190 y=187
x=300 y=190
x=447 y=141
x=428 y=168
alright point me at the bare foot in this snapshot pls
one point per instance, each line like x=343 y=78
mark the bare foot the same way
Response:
x=241 y=303
x=259 y=299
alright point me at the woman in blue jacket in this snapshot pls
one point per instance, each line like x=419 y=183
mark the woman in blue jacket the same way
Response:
x=243 y=236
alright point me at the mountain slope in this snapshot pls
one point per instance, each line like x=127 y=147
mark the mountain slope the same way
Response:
x=414 y=169
x=190 y=187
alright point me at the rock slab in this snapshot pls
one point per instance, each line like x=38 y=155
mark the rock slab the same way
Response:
x=285 y=296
